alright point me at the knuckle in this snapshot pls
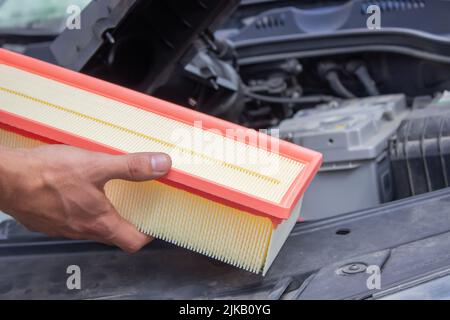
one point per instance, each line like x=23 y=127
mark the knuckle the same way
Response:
x=80 y=227
x=102 y=227
x=132 y=247
x=96 y=169
x=102 y=208
x=136 y=166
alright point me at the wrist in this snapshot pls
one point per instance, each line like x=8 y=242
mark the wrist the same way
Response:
x=11 y=173
x=5 y=159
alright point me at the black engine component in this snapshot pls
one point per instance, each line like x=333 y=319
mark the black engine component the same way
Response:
x=208 y=85
x=136 y=43
x=420 y=152
x=155 y=39
x=161 y=47
x=328 y=71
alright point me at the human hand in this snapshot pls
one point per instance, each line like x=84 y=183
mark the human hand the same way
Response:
x=58 y=190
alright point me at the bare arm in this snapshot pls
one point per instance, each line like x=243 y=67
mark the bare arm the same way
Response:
x=58 y=190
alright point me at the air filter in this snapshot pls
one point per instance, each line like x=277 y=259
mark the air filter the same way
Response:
x=233 y=194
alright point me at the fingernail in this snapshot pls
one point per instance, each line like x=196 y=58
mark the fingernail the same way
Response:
x=161 y=163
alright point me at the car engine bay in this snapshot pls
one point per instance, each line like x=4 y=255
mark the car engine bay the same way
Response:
x=375 y=103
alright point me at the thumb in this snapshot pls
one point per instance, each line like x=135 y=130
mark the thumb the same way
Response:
x=134 y=167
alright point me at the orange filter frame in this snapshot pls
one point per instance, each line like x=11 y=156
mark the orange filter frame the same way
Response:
x=177 y=178
x=235 y=212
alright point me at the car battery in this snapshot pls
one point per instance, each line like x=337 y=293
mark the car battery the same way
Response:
x=353 y=136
